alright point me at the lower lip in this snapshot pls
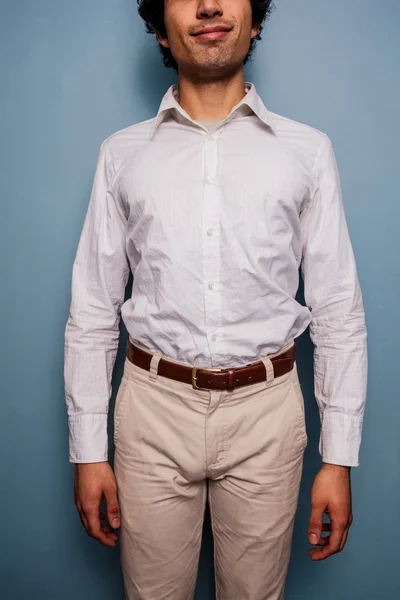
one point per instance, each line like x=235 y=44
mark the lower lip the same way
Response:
x=212 y=35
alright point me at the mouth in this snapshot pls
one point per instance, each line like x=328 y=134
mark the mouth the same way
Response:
x=206 y=34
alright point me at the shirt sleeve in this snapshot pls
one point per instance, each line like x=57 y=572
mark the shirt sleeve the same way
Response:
x=337 y=329
x=99 y=277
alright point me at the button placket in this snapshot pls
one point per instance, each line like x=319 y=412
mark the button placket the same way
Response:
x=211 y=160
x=211 y=246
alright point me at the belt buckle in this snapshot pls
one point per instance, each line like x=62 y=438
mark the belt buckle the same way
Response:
x=194 y=374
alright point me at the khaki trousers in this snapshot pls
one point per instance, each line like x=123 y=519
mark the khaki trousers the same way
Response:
x=174 y=446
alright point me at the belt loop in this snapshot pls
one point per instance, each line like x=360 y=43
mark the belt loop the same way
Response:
x=153 y=372
x=231 y=380
x=269 y=369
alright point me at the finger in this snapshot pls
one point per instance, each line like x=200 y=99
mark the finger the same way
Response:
x=346 y=532
x=315 y=524
x=95 y=530
x=344 y=539
x=326 y=527
x=333 y=545
x=84 y=521
x=113 y=511
x=323 y=541
x=109 y=531
x=82 y=517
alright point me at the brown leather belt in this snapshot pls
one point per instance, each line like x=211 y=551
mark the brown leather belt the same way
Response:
x=213 y=379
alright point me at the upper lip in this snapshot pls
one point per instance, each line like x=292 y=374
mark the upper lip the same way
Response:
x=212 y=29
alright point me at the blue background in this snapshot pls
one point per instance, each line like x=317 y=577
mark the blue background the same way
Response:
x=73 y=73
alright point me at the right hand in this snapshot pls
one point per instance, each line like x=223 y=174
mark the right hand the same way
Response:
x=93 y=482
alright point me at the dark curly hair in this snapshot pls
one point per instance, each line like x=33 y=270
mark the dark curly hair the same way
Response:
x=152 y=13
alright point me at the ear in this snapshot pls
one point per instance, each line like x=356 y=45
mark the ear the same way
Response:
x=254 y=30
x=163 y=41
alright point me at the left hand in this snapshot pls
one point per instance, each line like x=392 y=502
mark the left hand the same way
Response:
x=330 y=494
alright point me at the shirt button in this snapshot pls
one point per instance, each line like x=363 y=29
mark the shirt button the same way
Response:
x=209 y=181
x=214 y=337
x=210 y=286
x=210 y=232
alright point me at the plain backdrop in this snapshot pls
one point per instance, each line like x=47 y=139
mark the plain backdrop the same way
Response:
x=74 y=72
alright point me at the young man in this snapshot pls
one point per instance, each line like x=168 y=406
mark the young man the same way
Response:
x=213 y=205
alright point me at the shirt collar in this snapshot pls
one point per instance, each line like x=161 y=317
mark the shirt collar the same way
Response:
x=251 y=99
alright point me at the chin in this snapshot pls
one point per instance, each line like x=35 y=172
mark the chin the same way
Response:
x=209 y=71
x=206 y=64
x=223 y=67
x=223 y=61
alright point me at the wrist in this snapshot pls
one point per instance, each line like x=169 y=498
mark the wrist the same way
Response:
x=89 y=464
x=337 y=468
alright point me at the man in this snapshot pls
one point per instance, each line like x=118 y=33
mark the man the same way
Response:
x=213 y=205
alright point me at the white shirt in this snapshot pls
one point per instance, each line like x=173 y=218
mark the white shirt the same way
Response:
x=214 y=227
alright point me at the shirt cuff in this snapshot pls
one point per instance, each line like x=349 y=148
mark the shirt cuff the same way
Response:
x=340 y=439
x=88 y=438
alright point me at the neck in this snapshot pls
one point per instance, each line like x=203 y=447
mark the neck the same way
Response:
x=211 y=100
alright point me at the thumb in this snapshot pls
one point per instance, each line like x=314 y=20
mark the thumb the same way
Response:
x=315 y=523
x=113 y=510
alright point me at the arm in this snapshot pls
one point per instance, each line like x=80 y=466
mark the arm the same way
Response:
x=100 y=274
x=338 y=332
x=337 y=328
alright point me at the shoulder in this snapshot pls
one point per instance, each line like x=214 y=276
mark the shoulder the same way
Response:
x=304 y=139
x=132 y=136
x=122 y=145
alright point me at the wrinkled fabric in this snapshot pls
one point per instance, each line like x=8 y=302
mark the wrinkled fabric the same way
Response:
x=174 y=446
x=214 y=226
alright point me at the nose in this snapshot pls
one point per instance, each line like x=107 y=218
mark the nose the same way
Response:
x=209 y=9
